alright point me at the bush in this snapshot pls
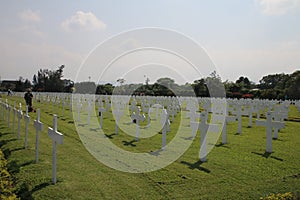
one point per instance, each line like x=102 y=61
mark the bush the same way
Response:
x=6 y=185
x=285 y=196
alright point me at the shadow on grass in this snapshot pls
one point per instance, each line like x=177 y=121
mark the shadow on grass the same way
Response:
x=14 y=167
x=237 y=134
x=222 y=145
x=4 y=142
x=3 y=134
x=110 y=136
x=188 y=138
x=23 y=192
x=276 y=139
x=130 y=143
x=155 y=153
x=40 y=186
x=267 y=155
x=128 y=123
x=196 y=165
x=95 y=129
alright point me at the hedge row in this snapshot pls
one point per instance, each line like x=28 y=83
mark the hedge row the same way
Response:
x=6 y=184
x=279 y=196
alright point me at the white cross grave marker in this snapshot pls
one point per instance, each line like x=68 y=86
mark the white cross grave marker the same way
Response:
x=137 y=117
x=277 y=117
x=57 y=138
x=157 y=107
x=89 y=112
x=19 y=115
x=79 y=105
x=194 y=124
x=38 y=127
x=165 y=123
x=27 y=120
x=63 y=107
x=117 y=114
x=238 y=113
x=203 y=127
x=269 y=126
x=15 y=111
x=250 y=114
x=8 y=113
x=224 y=130
x=101 y=110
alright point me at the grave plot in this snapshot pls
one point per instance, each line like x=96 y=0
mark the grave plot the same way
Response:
x=242 y=165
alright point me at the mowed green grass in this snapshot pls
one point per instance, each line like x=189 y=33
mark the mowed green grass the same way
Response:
x=237 y=170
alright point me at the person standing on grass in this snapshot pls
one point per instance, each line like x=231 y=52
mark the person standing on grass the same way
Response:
x=28 y=99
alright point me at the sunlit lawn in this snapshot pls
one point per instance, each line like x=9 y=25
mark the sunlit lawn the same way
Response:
x=237 y=170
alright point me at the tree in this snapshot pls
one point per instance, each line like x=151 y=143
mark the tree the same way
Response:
x=293 y=91
x=121 y=81
x=164 y=87
x=215 y=85
x=200 y=88
x=85 y=88
x=48 y=80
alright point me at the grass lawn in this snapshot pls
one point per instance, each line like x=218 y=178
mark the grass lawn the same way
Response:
x=238 y=170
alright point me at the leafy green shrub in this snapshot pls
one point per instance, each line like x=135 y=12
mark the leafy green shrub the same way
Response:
x=285 y=196
x=6 y=185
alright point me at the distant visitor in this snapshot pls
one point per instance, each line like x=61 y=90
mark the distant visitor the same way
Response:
x=28 y=99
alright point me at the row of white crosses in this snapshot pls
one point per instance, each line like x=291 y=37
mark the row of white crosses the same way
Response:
x=57 y=137
x=270 y=125
x=208 y=108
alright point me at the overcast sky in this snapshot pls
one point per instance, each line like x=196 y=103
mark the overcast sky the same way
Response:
x=249 y=38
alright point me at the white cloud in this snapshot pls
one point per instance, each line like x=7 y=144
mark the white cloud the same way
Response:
x=83 y=21
x=30 y=16
x=277 y=7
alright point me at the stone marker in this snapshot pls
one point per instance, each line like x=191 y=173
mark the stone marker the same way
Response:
x=137 y=117
x=89 y=108
x=7 y=106
x=101 y=110
x=250 y=114
x=117 y=114
x=38 y=127
x=269 y=126
x=27 y=120
x=79 y=105
x=57 y=138
x=203 y=127
x=165 y=123
x=277 y=117
x=19 y=115
x=224 y=130
x=223 y=120
x=15 y=111
x=239 y=118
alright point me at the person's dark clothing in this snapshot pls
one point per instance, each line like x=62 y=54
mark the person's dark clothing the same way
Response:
x=28 y=99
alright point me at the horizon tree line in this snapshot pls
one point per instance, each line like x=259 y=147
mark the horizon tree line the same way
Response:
x=273 y=86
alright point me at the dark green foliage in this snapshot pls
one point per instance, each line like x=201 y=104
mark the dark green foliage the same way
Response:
x=49 y=81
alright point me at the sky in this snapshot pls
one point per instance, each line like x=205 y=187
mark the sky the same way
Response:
x=251 y=38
